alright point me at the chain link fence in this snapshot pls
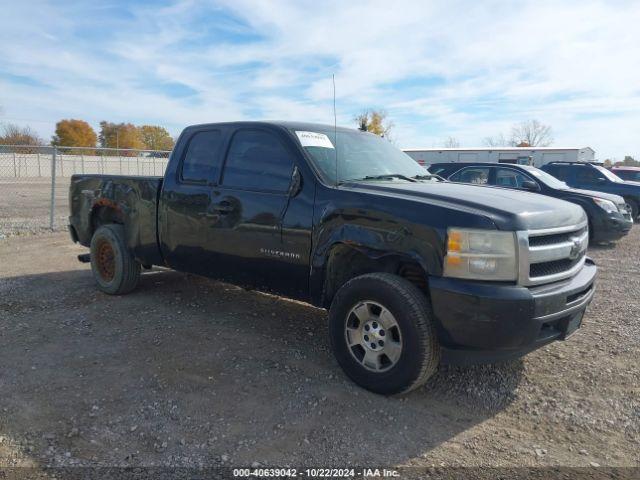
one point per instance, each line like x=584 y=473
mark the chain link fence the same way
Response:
x=34 y=181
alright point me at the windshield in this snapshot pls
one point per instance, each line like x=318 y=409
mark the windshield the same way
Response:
x=611 y=176
x=547 y=179
x=360 y=155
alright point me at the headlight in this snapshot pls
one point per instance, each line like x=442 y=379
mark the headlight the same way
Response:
x=481 y=254
x=607 y=205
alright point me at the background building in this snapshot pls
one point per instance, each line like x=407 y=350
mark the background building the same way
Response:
x=536 y=156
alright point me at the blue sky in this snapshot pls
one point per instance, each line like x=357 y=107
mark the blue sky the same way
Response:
x=457 y=68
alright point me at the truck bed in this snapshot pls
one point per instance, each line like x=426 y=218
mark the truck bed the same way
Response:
x=129 y=200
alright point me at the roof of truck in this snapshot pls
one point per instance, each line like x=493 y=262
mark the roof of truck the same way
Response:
x=290 y=125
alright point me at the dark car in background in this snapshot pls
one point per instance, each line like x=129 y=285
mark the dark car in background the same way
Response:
x=628 y=174
x=594 y=177
x=609 y=219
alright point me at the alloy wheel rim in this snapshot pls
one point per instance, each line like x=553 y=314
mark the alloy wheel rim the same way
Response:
x=373 y=336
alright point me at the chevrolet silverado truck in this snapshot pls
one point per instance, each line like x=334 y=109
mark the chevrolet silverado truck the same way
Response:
x=414 y=271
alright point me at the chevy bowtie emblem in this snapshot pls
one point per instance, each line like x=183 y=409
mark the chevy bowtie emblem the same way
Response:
x=576 y=248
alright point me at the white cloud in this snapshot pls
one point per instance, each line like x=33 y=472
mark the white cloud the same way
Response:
x=467 y=69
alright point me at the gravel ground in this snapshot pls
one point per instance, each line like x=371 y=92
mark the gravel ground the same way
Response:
x=187 y=372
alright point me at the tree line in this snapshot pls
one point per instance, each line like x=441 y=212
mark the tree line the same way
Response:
x=529 y=133
x=78 y=133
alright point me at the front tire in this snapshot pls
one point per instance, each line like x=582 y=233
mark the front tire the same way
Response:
x=114 y=268
x=382 y=333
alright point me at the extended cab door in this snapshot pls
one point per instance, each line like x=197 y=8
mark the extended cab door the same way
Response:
x=253 y=198
x=185 y=213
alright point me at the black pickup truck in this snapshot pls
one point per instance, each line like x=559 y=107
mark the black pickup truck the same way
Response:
x=414 y=271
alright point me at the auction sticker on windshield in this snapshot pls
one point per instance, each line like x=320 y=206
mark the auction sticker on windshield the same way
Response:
x=313 y=139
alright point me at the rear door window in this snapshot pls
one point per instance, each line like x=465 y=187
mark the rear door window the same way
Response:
x=258 y=160
x=201 y=163
x=475 y=175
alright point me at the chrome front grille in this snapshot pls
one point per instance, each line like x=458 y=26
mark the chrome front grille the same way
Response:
x=553 y=239
x=551 y=255
x=545 y=269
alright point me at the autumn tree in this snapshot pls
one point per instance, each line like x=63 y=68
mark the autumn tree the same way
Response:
x=15 y=135
x=374 y=121
x=74 y=133
x=120 y=135
x=155 y=137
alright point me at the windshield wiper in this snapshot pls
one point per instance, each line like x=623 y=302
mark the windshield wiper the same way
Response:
x=388 y=175
x=384 y=176
x=423 y=177
x=431 y=177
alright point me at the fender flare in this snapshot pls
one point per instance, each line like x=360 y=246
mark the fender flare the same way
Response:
x=118 y=201
x=374 y=244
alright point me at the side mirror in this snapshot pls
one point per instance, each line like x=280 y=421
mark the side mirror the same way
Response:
x=531 y=186
x=296 y=182
x=600 y=180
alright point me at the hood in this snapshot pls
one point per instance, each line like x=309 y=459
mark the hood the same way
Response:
x=508 y=209
x=617 y=199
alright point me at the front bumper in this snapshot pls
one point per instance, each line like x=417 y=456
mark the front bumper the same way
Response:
x=610 y=227
x=480 y=322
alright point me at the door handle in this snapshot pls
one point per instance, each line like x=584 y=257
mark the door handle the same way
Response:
x=224 y=207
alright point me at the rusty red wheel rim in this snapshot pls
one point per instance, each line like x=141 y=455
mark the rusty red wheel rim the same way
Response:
x=105 y=261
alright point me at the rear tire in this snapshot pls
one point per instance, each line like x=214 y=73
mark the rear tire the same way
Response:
x=114 y=268
x=383 y=334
